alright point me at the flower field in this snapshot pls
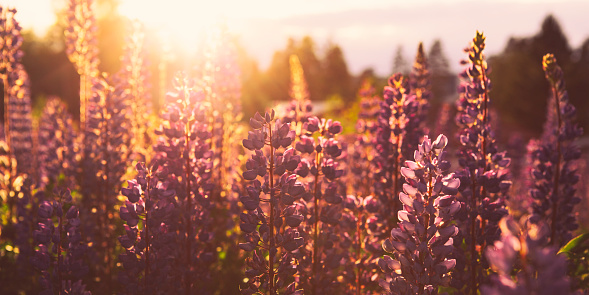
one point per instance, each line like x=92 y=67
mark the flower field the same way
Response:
x=192 y=197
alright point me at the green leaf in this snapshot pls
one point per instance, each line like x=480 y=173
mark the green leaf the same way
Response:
x=575 y=244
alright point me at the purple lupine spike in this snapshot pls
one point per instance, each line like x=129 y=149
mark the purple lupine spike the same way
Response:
x=299 y=108
x=361 y=152
x=553 y=173
x=134 y=77
x=183 y=149
x=148 y=198
x=539 y=270
x=21 y=126
x=26 y=205
x=396 y=106
x=361 y=266
x=10 y=57
x=105 y=154
x=61 y=250
x=420 y=81
x=57 y=153
x=220 y=76
x=423 y=239
x=82 y=48
x=319 y=261
x=484 y=179
x=270 y=205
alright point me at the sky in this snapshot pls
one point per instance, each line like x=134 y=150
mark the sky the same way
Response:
x=368 y=31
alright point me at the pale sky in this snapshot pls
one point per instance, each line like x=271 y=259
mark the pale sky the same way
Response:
x=368 y=31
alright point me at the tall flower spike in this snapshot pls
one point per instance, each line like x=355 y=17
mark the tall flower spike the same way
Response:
x=106 y=151
x=362 y=152
x=82 y=48
x=26 y=223
x=222 y=85
x=319 y=261
x=57 y=153
x=423 y=239
x=420 y=81
x=146 y=213
x=272 y=217
x=220 y=77
x=134 y=78
x=396 y=106
x=10 y=55
x=542 y=271
x=183 y=149
x=484 y=175
x=553 y=158
x=360 y=205
x=60 y=256
x=299 y=108
x=21 y=127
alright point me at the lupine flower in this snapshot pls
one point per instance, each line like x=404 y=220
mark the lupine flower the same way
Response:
x=319 y=261
x=17 y=161
x=220 y=78
x=554 y=176
x=270 y=205
x=26 y=205
x=183 y=149
x=300 y=107
x=484 y=175
x=10 y=56
x=104 y=163
x=19 y=115
x=396 y=106
x=57 y=153
x=359 y=264
x=360 y=267
x=420 y=81
x=362 y=152
x=423 y=239
x=60 y=256
x=134 y=78
x=541 y=271
x=146 y=240
x=82 y=48
x=16 y=93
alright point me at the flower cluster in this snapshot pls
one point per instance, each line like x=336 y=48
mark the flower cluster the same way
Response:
x=553 y=173
x=60 y=256
x=323 y=204
x=484 y=175
x=220 y=75
x=300 y=107
x=521 y=247
x=420 y=81
x=423 y=239
x=106 y=149
x=82 y=47
x=183 y=150
x=147 y=237
x=57 y=154
x=20 y=120
x=134 y=78
x=397 y=105
x=361 y=152
x=272 y=215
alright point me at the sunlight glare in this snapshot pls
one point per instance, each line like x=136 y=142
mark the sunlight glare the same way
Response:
x=183 y=21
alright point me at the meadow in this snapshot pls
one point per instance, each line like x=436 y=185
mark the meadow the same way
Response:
x=194 y=198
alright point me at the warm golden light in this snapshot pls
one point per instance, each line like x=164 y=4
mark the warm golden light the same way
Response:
x=184 y=22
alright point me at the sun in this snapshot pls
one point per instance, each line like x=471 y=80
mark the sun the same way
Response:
x=185 y=22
